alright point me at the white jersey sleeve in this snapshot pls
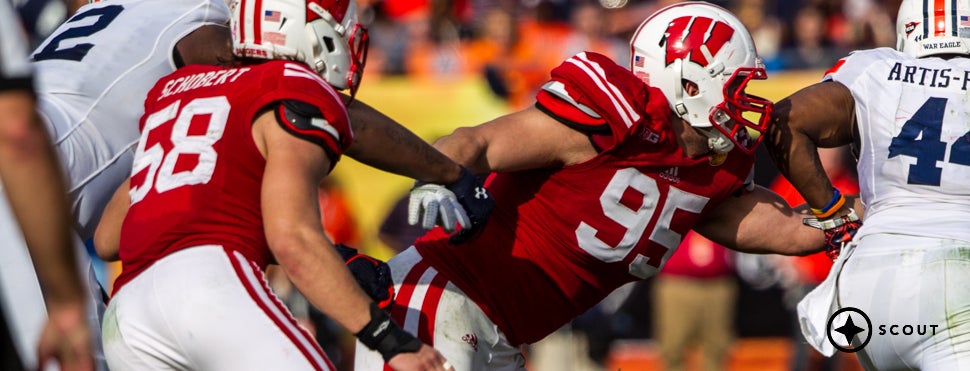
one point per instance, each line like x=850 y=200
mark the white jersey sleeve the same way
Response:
x=914 y=160
x=93 y=74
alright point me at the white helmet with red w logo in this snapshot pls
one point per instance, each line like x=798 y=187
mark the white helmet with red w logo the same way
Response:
x=925 y=28
x=324 y=34
x=709 y=47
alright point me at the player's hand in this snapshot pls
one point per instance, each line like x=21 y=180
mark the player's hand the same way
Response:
x=66 y=338
x=373 y=275
x=434 y=204
x=838 y=231
x=425 y=358
x=472 y=194
x=474 y=205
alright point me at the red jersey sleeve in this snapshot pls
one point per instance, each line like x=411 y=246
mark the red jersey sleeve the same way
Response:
x=592 y=93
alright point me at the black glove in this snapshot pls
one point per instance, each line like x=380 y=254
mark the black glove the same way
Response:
x=385 y=336
x=838 y=231
x=478 y=203
x=373 y=275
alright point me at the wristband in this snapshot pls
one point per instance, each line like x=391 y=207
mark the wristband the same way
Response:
x=385 y=336
x=835 y=204
x=831 y=223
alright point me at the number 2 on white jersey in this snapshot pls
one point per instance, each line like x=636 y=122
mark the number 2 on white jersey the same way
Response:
x=636 y=221
x=160 y=166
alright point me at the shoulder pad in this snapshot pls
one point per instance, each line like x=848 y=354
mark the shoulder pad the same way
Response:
x=851 y=67
x=307 y=122
x=590 y=89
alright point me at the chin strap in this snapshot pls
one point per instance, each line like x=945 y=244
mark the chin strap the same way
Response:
x=716 y=140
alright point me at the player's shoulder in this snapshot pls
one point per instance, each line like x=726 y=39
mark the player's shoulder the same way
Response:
x=859 y=61
x=591 y=90
x=292 y=75
x=153 y=12
x=596 y=72
x=213 y=8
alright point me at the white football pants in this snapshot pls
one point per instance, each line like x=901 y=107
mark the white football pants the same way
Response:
x=205 y=308
x=916 y=281
x=432 y=308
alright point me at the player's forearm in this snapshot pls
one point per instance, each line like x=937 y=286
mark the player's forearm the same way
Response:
x=319 y=273
x=761 y=222
x=820 y=115
x=291 y=220
x=795 y=154
x=35 y=188
x=381 y=142
x=467 y=149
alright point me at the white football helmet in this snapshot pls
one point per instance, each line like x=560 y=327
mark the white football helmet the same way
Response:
x=708 y=46
x=925 y=28
x=324 y=34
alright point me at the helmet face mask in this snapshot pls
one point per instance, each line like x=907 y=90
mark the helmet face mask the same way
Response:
x=707 y=46
x=927 y=28
x=729 y=113
x=323 y=34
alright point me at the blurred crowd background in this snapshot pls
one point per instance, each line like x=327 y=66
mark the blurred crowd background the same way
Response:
x=512 y=44
x=435 y=65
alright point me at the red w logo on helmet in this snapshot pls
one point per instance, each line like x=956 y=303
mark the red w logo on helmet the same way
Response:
x=703 y=32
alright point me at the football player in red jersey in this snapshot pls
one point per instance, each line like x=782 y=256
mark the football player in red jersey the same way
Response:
x=595 y=186
x=225 y=182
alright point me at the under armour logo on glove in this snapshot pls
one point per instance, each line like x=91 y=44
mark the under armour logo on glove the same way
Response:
x=481 y=193
x=472 y=194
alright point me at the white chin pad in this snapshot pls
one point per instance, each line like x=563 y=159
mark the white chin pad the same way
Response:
x=716 y=140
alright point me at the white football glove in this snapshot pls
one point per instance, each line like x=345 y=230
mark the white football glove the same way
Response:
x=433 y=203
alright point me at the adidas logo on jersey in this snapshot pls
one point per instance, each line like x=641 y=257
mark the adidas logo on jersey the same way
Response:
x=670 y=175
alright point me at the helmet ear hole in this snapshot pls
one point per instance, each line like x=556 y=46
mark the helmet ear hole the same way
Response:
x=328 y=43
x=690 y=88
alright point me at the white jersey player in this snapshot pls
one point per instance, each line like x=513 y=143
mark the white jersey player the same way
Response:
x=93 y=74
x=92 y=77
x=906 y=112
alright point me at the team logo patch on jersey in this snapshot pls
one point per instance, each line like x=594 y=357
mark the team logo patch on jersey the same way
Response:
x=472 y=340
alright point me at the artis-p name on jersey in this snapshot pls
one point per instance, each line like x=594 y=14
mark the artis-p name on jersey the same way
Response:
x=201 y=79
x=931 y=77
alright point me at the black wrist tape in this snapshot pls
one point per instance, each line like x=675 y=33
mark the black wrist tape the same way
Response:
x=385 y=336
